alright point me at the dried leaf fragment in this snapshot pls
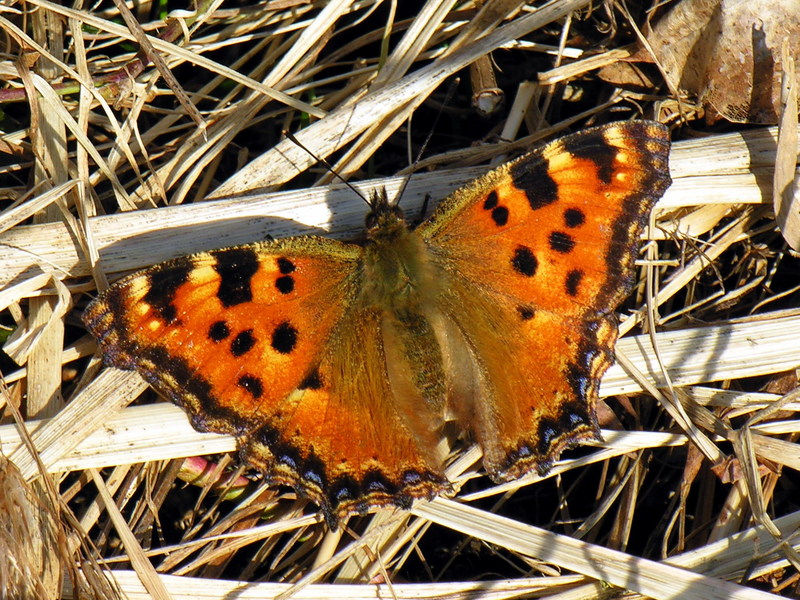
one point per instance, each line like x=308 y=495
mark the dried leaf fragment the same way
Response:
x=727 y=53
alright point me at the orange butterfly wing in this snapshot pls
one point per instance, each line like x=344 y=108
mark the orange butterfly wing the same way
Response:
x=539 y=253
x=264 y=342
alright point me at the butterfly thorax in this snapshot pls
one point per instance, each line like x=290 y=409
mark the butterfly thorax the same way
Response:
x=398 y=273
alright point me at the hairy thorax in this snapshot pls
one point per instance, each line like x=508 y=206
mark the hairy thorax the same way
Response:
x=398 y=274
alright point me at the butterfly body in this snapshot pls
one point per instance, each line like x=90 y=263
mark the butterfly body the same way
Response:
x=336 y=364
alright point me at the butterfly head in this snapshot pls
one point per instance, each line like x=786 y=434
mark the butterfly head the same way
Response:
x=384 y=217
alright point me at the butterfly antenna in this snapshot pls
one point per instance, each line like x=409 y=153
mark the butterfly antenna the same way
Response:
x=451 y=90
x=290 y=136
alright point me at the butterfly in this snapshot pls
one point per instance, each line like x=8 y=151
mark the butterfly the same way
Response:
x=336 y=365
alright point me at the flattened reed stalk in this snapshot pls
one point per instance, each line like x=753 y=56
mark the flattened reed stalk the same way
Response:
x=692 y=490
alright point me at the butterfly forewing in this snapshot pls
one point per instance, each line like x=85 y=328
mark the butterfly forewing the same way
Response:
x=218 y=332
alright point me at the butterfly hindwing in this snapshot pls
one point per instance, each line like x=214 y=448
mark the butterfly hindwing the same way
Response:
x=540 y=253
x=350 y=443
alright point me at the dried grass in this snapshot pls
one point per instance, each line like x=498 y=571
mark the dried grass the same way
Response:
x=692 y=494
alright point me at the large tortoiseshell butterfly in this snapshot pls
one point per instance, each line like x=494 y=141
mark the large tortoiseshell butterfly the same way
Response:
x=335 y=364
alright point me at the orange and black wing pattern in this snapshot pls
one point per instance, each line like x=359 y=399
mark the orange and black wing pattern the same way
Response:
x=263 y=342
x=540 y=253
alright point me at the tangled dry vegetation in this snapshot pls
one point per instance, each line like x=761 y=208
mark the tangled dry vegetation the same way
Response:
x=133 y=133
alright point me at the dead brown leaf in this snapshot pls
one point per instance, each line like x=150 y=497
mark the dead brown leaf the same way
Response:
x=726 y=53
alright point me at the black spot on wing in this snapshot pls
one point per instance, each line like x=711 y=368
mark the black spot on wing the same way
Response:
x=163 y=283
x=524 y=262
x=593 y=147
x=313 y=381
x=531 y=177
x=498 y=213
x=285 y=284
x=500 y=216
x=236 y=267
x=284 y=338
x=561 y=242
x=243 y=343
x=252 y=384
x=218 y=331
x=526 y=313
x=285 y=266
x=573 y=282
x=574 y=217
